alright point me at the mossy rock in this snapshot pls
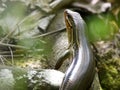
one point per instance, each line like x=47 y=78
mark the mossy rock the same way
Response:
x=109 y=73
x=12 y=78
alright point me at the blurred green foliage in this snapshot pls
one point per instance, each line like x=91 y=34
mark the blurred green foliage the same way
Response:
x=101 y=27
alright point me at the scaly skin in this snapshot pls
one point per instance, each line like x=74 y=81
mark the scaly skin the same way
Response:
x=80 y=74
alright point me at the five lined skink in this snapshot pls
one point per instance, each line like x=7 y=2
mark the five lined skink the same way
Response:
x=80 y=73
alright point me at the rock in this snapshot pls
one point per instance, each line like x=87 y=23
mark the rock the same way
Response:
x=46 y=79
x=14 y=78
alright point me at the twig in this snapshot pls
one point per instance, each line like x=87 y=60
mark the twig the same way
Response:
x=1 y=58
x=21 y=55
x=11 y=45
x=7 y=52
x=11 y=55
x=49 y=33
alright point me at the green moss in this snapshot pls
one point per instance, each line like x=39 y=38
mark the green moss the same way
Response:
x=109 y=74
